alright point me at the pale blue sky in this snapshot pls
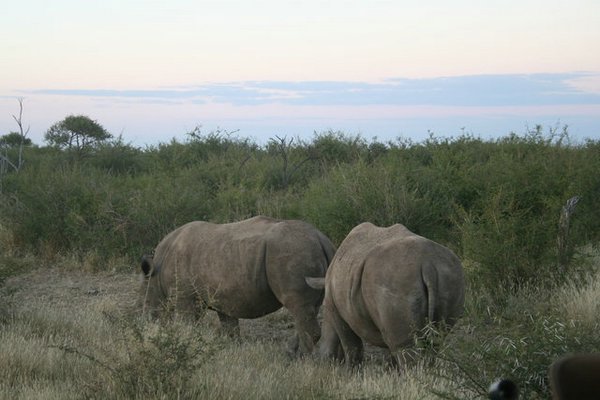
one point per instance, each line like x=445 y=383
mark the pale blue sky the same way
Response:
x=153 y=70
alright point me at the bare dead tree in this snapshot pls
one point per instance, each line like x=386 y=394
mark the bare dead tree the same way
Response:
x=5 y=162
x=23 y=133
x=562 y=240
x=3 y=169
x=283 y=147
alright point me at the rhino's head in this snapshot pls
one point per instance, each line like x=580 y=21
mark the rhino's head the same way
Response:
x=150 y=296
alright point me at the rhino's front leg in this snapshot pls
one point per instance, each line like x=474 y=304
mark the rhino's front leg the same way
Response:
x=229 y=325
x=307 y=329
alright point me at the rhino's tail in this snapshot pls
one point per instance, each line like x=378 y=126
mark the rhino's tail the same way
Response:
x=431 y=283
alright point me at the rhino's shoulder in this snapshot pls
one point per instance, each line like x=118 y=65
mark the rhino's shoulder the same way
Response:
x=373 y=234
x=260 y=219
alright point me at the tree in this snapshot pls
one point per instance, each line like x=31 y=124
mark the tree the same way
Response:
x=13 y=140
x=283 y=147
x=76 y=132
x=11 y=148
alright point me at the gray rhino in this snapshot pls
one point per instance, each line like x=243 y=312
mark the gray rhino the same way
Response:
x=382 y=286
x=244 y=269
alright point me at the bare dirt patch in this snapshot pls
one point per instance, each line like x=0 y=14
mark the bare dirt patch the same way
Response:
x=84 y=292
x=73 y=289
x=81 y=291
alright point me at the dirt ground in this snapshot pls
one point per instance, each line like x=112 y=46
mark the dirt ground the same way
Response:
x=63 y=289
x=68 y=289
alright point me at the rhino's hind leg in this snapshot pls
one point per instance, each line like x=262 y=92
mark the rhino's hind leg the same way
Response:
x=229 y=325
x=351 y=343
x=329 y=345
x=403 y=354
x=335 y=332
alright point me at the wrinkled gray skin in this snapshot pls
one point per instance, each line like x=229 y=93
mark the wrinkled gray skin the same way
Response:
x=384 y=284
x=244 y=269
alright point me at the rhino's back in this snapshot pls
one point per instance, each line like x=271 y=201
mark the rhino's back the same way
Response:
x=388 y=249
x=363 y=240
x=222 y=263
x=248 y=268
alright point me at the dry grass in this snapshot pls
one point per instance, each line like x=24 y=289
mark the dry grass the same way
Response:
x=69 y=334
x=580 y=302
x=66 y=334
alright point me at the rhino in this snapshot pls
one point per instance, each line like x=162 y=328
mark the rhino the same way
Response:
x=383 y=285
x=243 y=269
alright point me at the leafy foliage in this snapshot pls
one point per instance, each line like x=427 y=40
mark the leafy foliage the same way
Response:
x=496 y=203
x=158 y=361
x=517 y=338
x=13 y=139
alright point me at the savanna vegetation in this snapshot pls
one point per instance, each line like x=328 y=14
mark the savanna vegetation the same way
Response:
x=94 y=207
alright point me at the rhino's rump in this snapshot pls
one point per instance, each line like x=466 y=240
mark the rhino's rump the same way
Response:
x=377 y=282
x=387 y=296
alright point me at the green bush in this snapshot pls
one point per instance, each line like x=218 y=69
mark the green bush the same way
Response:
x=351 y=194
x=496 y=203
x=517 y=334
x=510 y=229
x=118 y=158
x=56 y=208
x=148 y=360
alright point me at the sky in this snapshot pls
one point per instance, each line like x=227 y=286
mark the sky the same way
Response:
x=153 y=70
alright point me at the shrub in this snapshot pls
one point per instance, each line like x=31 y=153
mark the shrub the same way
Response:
x=148 y=360
x=510 y=229
x=517 y=334
x=360 y=192
x=118 y=158
x=495 y=203
x=55 y=209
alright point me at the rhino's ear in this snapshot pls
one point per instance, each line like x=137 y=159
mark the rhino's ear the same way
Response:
x=315 y=283
x=147 y=265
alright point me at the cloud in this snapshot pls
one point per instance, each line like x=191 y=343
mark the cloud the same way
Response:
x=469 y=91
